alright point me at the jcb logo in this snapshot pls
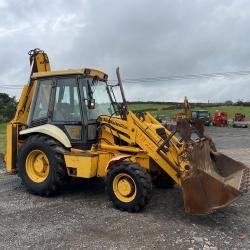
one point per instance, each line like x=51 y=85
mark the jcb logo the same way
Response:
x=116 y=124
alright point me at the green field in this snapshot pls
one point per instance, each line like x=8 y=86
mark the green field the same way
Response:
x=147 y=106
x=159 y=108
x=2 y=137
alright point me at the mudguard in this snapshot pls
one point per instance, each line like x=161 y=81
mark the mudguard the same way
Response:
x=50 y=130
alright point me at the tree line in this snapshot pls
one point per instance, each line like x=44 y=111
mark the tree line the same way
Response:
x=8 y=106
x=212 y=104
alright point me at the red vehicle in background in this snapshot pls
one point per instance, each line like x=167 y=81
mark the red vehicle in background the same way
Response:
x=220 y=119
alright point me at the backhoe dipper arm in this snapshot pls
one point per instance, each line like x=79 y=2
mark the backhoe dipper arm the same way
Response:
x=39 y=62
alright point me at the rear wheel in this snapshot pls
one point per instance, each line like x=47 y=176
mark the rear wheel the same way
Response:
x=41 y=165
x=128 y=186
x=37 y=166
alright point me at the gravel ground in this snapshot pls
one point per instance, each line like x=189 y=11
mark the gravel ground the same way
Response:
x=82 y=217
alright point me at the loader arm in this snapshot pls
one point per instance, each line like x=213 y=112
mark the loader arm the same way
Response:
x=209 y=180
x=39 y=62
x=148 y=135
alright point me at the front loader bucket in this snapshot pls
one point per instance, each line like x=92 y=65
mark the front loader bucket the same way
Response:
x=214 y=179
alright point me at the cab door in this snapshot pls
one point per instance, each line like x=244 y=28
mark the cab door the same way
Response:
x=89 y=115
x=67 y=110
x=92 y=87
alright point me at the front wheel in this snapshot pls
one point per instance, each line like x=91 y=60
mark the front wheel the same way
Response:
x=128 y=186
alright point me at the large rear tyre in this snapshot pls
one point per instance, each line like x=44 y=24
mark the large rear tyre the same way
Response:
x=41 y=165
x=128 y=186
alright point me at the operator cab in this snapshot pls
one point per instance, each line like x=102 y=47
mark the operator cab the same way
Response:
x=73 y=101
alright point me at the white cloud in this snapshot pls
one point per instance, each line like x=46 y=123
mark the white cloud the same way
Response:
x=142 y=37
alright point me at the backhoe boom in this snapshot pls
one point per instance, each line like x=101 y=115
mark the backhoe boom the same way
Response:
x=39 y=62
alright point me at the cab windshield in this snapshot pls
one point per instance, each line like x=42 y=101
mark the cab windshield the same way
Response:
x=203 y=114
x=98 y=90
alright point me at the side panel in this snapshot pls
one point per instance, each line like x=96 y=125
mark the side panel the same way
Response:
x=87 y=164
x=106 y=160
x=103 y=163
x=84 y=166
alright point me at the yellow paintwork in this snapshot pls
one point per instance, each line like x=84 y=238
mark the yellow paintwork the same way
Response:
x=142 y=159
x=124 y=187
x=42 y=62
x=20 y=109
x=95 y=162
x=103 y=162
x=93 y=72
x=37 y=166
x=11 y=148
x=81 y=164
x=120 y=148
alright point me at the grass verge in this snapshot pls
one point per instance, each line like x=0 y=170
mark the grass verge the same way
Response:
x=2 y=138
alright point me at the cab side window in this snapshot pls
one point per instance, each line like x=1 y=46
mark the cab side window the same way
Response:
x=67 y=106
x=103 y=104
x=42 y=102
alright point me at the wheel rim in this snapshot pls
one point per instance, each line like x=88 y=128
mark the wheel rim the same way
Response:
x=124 y=187
x=37 y=166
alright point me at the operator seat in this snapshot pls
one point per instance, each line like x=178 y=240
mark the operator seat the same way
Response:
x=62 y=112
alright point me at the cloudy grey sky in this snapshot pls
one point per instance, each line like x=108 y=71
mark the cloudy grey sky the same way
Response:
x=145 y=38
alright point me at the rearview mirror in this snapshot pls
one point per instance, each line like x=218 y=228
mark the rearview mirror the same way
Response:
x=91 y=103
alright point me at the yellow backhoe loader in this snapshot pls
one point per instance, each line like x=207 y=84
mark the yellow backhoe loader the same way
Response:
x=187 y=114
x=69 y=123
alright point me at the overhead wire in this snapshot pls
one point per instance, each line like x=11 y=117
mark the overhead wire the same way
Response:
x=186 y=77
x=161 y=78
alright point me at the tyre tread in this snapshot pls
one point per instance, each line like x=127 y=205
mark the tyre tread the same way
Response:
x=142 y=176
x=59 y=177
